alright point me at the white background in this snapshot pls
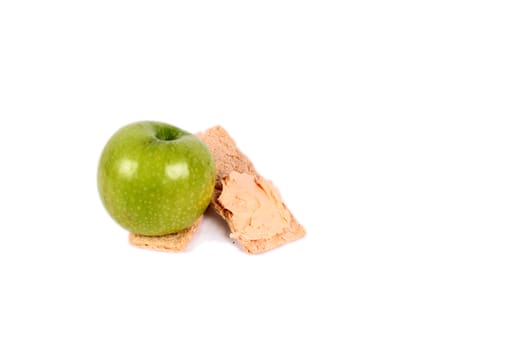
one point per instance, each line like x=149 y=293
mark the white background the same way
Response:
x=394 y=130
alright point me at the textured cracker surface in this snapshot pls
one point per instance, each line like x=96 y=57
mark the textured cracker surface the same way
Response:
x=225 y=152
x=175 y=242
x=228 y=157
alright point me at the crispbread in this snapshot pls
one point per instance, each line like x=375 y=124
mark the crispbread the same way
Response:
x=227 y=155
x=229 y=158
x=175 y=242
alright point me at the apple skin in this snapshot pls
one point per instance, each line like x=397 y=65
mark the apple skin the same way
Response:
x=154 y=178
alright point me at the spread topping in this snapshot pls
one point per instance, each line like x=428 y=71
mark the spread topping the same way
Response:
x=257 y=211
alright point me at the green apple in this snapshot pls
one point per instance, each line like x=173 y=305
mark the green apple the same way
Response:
x=154 y=178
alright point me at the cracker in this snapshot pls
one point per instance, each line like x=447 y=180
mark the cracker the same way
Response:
x=228 y=158
x=175 y=242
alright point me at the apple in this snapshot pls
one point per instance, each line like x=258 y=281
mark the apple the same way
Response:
x=154 y=178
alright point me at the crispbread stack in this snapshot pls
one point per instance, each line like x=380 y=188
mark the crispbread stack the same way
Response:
x=175 y=242
x=229 y=158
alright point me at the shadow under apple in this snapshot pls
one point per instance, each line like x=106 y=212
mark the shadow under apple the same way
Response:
x=213 y=229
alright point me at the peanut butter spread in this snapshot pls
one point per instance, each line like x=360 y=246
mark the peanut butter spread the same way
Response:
x=257 y=210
